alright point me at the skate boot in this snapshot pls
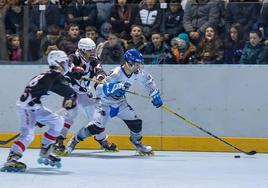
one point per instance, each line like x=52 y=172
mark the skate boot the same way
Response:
x=12 y=164
x=107 y=146
x=71 y=145
x=47 y=158
x=59 y=148
x=142 y=149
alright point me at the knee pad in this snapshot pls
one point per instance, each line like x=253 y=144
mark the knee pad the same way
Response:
x=134 y=125
x=94 y=129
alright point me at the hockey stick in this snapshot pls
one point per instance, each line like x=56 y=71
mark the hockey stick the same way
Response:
x=4 y=142
x=253 y=152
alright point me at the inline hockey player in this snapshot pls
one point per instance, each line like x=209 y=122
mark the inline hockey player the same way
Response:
x=30 y=110
x=113 y=102
x=85 y=64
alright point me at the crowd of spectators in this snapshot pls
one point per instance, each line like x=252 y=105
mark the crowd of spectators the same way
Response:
x=165 y=31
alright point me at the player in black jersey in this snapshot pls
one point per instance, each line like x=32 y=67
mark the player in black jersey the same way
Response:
x=30 y=110
x=86 y=64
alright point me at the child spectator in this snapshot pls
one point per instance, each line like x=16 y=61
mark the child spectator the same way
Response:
x=91 y=32
x=14 y=49
x=211 y=48
x=69 y=42
x=157 y=51
x=183 y=51
x=253 y=50
x=137 y=40
x=172 y=20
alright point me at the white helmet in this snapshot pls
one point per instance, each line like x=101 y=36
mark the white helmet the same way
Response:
x=86 y=49
x=58 y=58
x=86 y=44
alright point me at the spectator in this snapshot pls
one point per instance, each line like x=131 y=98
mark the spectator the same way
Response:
x=122 y=17
x=112 y=50
x=149 y=17
x=263 y=20
x=104 y=8
x=157 y=51
x=14 y=18
x=91 y=32
x=105 y=29
x=234 y=44
x=14 y=48
x=244 y=12
x=82 y=13
x=198 y=15
x=172 y=23
x=3 y=49
x=211 y=48
x=253 y=50
x=69 y=42
x=137 y=40
x=183 y=51
x=264 y=57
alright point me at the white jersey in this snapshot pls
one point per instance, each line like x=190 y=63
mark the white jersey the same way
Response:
x=119 y=75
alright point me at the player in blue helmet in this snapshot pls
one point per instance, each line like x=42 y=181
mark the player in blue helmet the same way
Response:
x=113 y=102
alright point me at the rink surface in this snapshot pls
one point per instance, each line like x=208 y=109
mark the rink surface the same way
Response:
x=97 y=169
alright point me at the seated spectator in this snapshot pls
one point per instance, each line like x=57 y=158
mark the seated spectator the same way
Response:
x=137 y=40
x=211 y=48
x=263 y=20
x=111 y=51
x=253 y=50
x=69 y=42
x=234 y=44
x=122 y=17
x=172 y=23
x=183 y=51
x=157 y=51
x=198 y=15
x=264 y=57
x=91 y=32
x=14 y=48
x=149 y=17
x=245 y=12
x=82 y=13
x=105 y=29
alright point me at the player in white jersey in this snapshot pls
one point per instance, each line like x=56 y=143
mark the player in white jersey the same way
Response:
x=30 y=110
x=113 y=102
x=84 y=63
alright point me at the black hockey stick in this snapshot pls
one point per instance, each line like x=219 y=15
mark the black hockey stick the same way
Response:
x=4 y=142
x=253 y=152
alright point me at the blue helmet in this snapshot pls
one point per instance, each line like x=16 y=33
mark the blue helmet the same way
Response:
x=133 y=55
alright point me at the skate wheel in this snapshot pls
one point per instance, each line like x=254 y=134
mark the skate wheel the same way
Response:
x=58 y=165
x=40 y=161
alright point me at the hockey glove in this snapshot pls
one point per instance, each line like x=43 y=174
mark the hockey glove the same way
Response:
x=69 y=103
x=156 y=99
x=114 y=88
x=77 y=72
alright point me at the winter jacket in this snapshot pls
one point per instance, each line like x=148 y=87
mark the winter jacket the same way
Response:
x=252 y=54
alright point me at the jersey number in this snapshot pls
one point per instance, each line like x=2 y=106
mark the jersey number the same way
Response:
x=35 y=80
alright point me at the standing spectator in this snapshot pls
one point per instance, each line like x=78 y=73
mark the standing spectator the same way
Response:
x=41 y=16
x=234 y=44
x=149 y=17
x=157 y=51
x=3 y=49
x=112 y=50
x=198 y=15
x=172 y=23
x=244 y=12
x=211 y=48
x=183 y=51
x=104 y=8
x=14 y=17
x=137 y=40
x=253 y=50
x=69 y=42
x=14 y=48
x=122 y=17
x=81 y=13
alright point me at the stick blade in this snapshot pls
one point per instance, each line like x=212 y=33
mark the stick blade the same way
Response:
x=253 y=152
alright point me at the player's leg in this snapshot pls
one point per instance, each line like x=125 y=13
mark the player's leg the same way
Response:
x=135 y=126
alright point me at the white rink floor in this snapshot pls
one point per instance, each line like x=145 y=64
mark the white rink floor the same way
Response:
x=97 y=169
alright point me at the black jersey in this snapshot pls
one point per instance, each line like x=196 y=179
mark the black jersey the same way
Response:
x=42 y=84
